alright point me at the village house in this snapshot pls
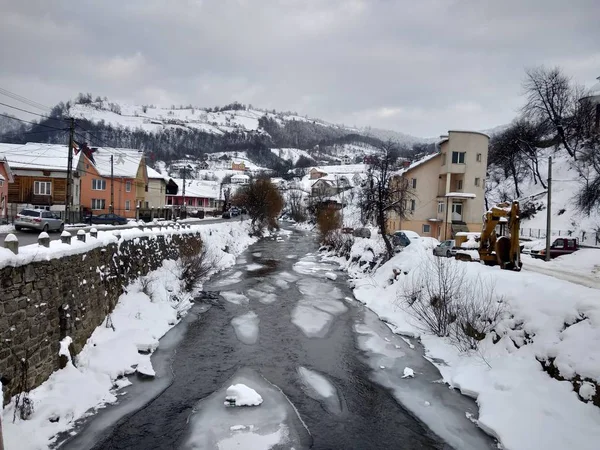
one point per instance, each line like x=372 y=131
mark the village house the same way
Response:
x=197 y=195
x=121 y=172
x=39 y=174
x=238 y=166
x=447 y=188
x=240 y=178
x=6 y=177
x=159 y=186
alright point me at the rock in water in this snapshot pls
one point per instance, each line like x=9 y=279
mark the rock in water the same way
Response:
x=242 y=395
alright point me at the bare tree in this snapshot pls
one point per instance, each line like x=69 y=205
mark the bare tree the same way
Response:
x=554 y=100
x=294 y=201
x=385 y=192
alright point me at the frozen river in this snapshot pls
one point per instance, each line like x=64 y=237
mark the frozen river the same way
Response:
x=330 y=374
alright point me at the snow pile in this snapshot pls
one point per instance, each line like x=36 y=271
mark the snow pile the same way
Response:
x=548 y=324
x=242 y=395
x=408 y=373
x=112 y=352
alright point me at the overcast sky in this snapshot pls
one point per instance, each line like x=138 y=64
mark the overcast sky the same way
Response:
x=417 y=66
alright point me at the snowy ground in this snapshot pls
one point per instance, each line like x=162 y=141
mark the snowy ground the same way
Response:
x=100 y=369
x=544 y=318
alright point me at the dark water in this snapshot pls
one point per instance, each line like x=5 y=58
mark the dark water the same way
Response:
x=204 y=352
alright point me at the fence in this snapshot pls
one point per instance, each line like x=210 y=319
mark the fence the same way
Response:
x=590 y=238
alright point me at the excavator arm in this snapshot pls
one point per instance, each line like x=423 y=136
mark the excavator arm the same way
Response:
x=503 y=250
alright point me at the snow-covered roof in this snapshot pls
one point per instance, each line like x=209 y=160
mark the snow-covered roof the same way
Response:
x=197 y=188
x=460 y=195
x=36 y=156
x=155 y=175
x=126 y=161
x=417 y=163
x=240 y=176
x=342 y=169
x=594 y=90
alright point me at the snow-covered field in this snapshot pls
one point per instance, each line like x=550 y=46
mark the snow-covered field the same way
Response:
x=543 y=319
x=142 y=316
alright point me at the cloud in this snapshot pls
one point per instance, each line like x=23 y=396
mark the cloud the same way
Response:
x=413 y=66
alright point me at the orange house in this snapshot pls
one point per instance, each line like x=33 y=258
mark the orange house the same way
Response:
x=128 y=183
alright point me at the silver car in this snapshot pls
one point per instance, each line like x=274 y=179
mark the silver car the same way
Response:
x=38 y=219
x=445 y=248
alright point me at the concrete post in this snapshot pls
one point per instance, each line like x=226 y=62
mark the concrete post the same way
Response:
x=44 y=239
x=65 y=237
x=11 y=242
x=81 y=235
x=94 y=233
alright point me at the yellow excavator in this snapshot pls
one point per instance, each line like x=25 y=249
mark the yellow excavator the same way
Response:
x=501 y=247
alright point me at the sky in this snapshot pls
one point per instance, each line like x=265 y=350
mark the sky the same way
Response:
x=420 y=67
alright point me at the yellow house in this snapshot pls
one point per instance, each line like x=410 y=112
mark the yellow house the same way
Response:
x=448 y=187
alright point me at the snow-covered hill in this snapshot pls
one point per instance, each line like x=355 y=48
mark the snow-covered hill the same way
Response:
x=566 y=182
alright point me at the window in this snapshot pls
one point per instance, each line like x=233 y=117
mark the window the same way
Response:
x=127 y=205
x=146 y=205
x=459 y=185
x=441 y=207
x=1 y=183
x=98 y=185
x=458 y=157
x=413 y=205
x=413 y=182
x=98 y=204
x=128 y=186
x=478 y=157
x=477 y=183
x=42 y=187
x=426 y=228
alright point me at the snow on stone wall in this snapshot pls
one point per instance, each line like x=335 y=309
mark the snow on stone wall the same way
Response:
x=44 y=301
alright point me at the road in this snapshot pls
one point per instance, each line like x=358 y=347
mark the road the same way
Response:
x=28 y=237
x=330 y=372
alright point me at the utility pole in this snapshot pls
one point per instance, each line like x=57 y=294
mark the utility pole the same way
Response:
x=69 y=196
x=183 y=193
x=549 y=209
x=112 y=186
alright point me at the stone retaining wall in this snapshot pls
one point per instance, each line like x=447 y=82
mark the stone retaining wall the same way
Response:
x=44 y=301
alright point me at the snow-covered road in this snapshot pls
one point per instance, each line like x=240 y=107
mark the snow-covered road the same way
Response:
x=328 y=372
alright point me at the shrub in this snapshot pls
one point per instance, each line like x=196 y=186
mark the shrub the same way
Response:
x=328 y=220
x=445 y=302
x=193 y=268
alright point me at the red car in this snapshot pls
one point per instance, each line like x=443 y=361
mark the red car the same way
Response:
x=559 y=246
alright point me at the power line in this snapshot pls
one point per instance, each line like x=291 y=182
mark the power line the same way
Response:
x=31 y=123
x=23 y=99
x=28 y=112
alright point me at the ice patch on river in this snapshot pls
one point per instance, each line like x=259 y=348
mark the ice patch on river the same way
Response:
x=309 y=265
x=319 y=388
x=442 y=409
x=262 y=296
x=246 y=327
x=316 y=310
x=273 y=424
x=254 y=266
x=227 y=280
x=234 y=297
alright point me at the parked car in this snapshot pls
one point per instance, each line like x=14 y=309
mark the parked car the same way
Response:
x=362 y=232
x=445 y=248
x=226 y=215
x=38 y=219
x=108 y=219
x=234 y=211
x=403 y=238
x=558 y=247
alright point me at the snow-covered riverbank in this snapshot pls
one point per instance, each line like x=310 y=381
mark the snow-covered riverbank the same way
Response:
x=543 y=319
x=150 y=307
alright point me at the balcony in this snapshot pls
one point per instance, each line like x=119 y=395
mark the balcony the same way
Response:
x=453 y=168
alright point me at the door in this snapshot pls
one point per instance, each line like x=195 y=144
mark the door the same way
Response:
x=457 y=211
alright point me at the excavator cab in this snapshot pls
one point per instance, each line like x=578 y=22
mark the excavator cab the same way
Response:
x=499 y=242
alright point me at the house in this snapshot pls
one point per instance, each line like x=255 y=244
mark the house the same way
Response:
x=347 y=159
x=315 y=173
x=239 y=178
x=159 y=186
x=117 y=176
x=323 y=187
x=40 y=176
x=197 y=195
x=446 y=188
x=238 y=166
x=6 y=177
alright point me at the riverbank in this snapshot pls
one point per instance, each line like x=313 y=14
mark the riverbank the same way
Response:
x=121 y=346
x=534 y=375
